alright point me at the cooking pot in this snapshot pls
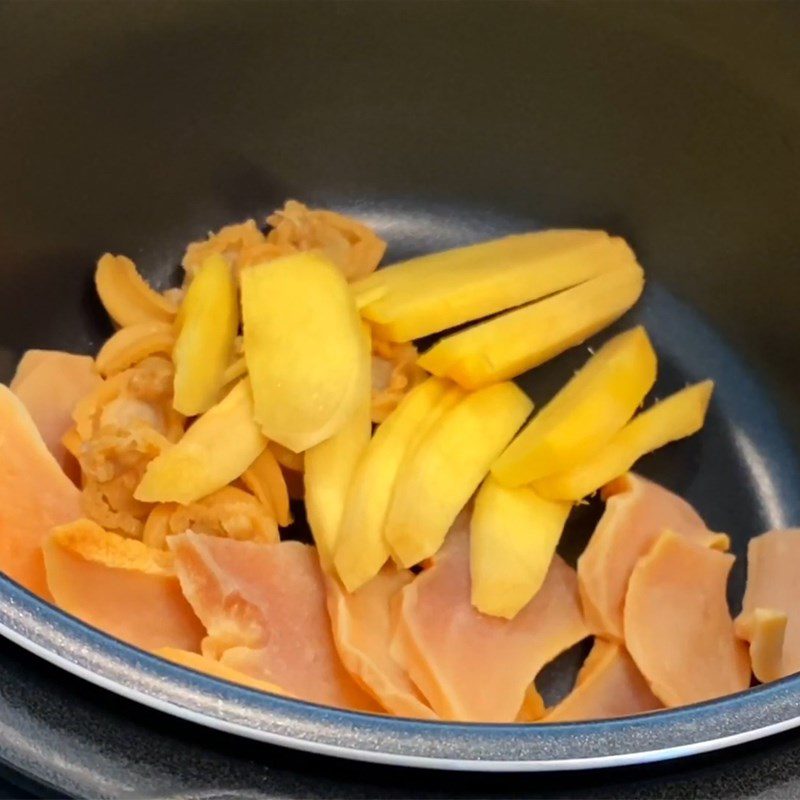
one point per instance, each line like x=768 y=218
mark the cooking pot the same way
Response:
x=137 y=127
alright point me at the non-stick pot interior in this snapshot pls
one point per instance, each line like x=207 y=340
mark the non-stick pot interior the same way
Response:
x=137 y=128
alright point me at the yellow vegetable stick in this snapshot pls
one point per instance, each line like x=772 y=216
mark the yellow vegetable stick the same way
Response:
x=134 y=343
x=360 y=547
x=209 y=321
x=302 y=342
x=264 y=478
x=438 y=478
x=215 y=450
x=514 y=342
x=125 y=294
x=513 y=537
x=329 y=466
x=677 y=417
x=547 y=263
x=435 y=268
x=235 y=370
x=585 y=414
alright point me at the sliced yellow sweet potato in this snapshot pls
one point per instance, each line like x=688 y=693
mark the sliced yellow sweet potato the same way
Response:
x=503 y=274
x=585 y=414
x=120 y=586
x=510 y=344
x=677 y=417
x=329 y=467
x=209 y=666
x=209 y=321
x=302 y=341
x=216 y=450
x=265 y=479
x=438 y=478
x=295 y=462
x=134 y=343
x=235 y=370
x=360 y=547
x=437 y=267
x=514 y=534
x=126 y=295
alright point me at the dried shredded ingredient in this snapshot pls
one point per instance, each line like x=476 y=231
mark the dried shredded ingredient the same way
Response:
x=353 y=247
x=230 y=513
x=232 y=242
x=120 y=428
x=394 y=374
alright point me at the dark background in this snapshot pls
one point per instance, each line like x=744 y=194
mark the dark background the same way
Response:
x=135 y=126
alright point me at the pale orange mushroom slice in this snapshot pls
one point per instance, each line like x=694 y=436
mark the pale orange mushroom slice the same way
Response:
x=637 y=512
x=470 y=666
x=119 y=585
x=678 y=628
x=773 y=592
x=35 y=495
x=264 y=608
x=608 y=685
x=363 y=625
x=50 y=383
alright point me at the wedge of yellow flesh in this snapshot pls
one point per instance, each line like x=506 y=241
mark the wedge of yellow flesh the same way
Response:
x=134 y=343
x=215 y=450
x=513 y=537
x=448 y=465
x=264 y=478
x=585 y=414
x=436 y=267
x=302 y=343
x=677 y=417
x=125 y=294
x=329 y=467
x=361 y=550
x=209 y=321
x=514 y=342
x=507 y=273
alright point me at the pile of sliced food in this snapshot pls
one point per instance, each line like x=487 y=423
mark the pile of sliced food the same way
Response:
x=150 y=490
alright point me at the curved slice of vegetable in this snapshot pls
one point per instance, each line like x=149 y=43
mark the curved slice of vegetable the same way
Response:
x=329 y=467
x=438 y=478
x=677 y=417
x=509 y=272
x=119 y=585
x=361 y=550
x=513 y=538
x=302 y=342
x=764 y=629
x=265 y=479
x=125 y=294
x=215 y=669
x=678 y=627
x=35 y=495
x=216 y=450
x=50 y=384
x=208 y=322
x=608 y=686
x=132 y=344
x=596 y=403
x=516 y=341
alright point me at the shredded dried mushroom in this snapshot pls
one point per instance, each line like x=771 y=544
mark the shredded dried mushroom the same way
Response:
x=394 y=374
x=353 y=247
